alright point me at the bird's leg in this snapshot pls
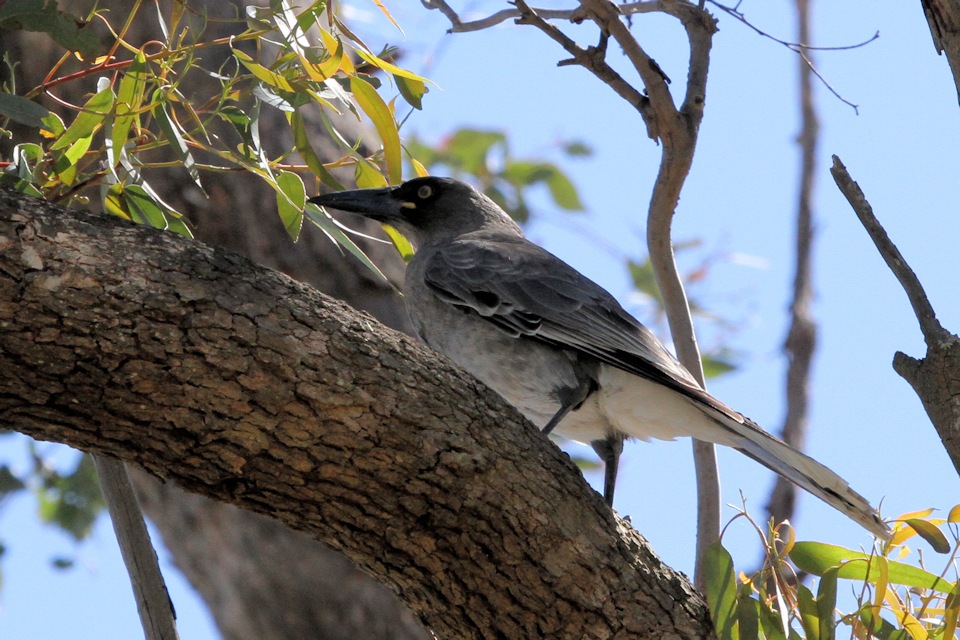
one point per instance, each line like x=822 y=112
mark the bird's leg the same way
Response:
x=557 y=417
x=570 y=398
x=609 y=450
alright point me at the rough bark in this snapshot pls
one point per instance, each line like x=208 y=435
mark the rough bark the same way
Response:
x=236 y=382
x=943 y=17
x=249 y=593
x=936 y=380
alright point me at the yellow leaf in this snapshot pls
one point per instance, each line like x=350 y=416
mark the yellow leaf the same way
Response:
x=389 y=17
x=382 y=118
x=922 y=513
x=913 y=627
x=400 y=242
x=388 y=67
x=954 y=515
x=418 y=168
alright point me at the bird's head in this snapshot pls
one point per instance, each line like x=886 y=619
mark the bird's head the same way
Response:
x=425 y=210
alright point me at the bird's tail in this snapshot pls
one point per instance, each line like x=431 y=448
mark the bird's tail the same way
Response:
x=805 y=472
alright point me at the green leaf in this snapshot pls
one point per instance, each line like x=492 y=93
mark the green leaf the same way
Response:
x=644 y=281
x=143 y=208
x=72 y=501
x=382 y=117
x=563 y=191
x=412 y=91
x=24 y=111
x=748 y=616
x=53 y=124
x=129 y=98
x=951 y=613
x=467 y=149
x=112 y=200
x=881 y=628
x=577 y=148
x=291 y=198
x=301 y=141
x=323 y=221
x=524 y=173
x=817 y=558
x=87 y=121
x=65 y=164
x=25 y=158
x=368 y=176
x=715 y=365
x=263 y=74
x=809 y=613
x=827 y=604
x=721 y=588
x=930 y=533
x=44 y=16
x=770 y=622
x=171 y=131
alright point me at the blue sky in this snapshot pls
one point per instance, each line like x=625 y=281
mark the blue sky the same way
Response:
x=866 y=422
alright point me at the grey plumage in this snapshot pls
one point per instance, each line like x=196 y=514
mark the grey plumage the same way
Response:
x=555 y=344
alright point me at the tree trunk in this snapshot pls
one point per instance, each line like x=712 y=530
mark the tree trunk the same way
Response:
x=236 y=382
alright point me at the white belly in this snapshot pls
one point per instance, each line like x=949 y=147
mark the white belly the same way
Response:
x=638 y=408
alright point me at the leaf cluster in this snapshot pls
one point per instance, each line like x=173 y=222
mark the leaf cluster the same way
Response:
x=302 y=60
x=893 y=600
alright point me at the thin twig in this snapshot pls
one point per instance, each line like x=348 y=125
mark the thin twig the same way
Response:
x=736 y=13
x=459 y=26
x=929 y=325
x=800 y=48
x=153 y=602
x=813 y=69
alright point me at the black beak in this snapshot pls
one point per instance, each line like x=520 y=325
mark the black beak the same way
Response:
x=378 y=204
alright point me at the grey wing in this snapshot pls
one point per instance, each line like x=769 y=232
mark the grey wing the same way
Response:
x=531 y=294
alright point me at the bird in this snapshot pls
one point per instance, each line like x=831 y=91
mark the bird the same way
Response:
x=556 y=345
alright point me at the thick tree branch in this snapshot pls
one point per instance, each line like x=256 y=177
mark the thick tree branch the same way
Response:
x=936 y=377
x=236 y=382
x=943 y=16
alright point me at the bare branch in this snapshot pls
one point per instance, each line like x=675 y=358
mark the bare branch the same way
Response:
x=153 y=602
x=936 y=377
x=678 y=132
x=929 y=325
x=802 y=334
x=459 y=26
x=608 y=17
x=592 y=59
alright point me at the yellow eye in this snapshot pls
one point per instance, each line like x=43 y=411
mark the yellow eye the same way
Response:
x=425 y=192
